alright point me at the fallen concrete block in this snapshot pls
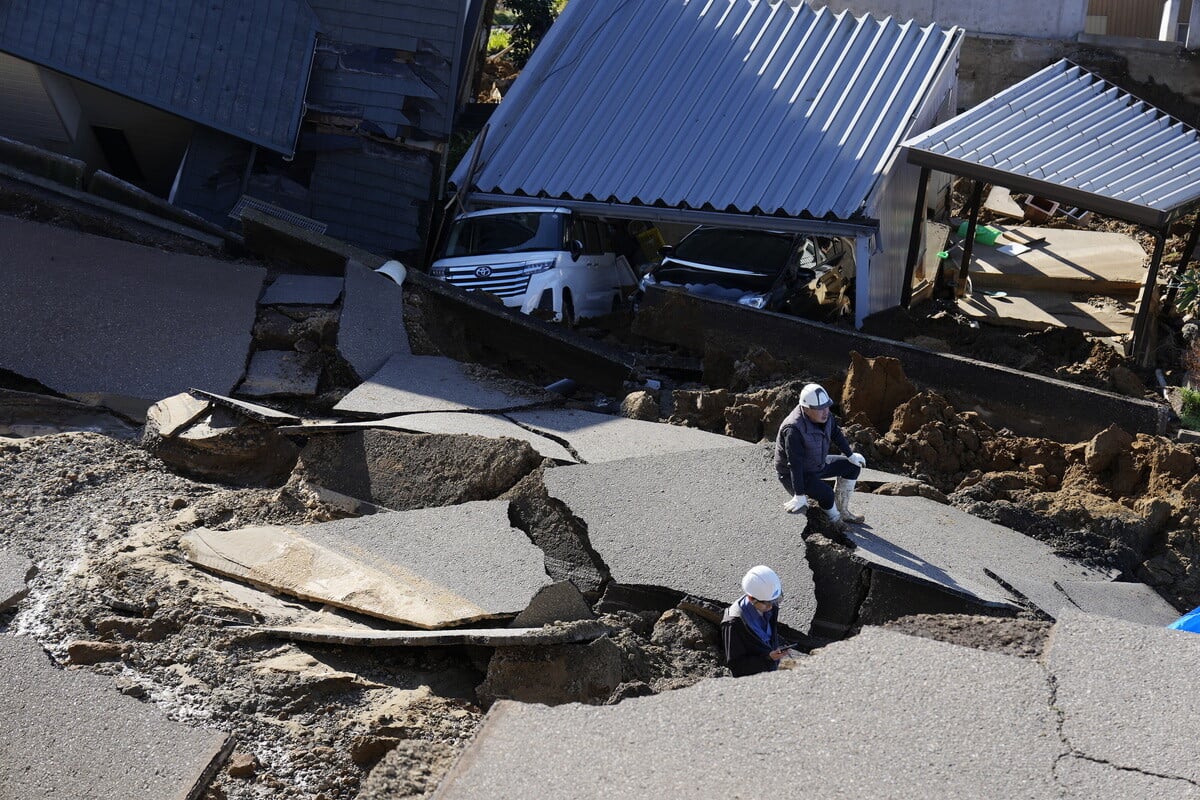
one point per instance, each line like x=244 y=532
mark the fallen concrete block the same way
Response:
x=84 y=314
x=15 y=572
x=404 y=471
x=1000 y=201
x=430 y=569
x=74 y=735
x=558 y=602
x=1126 y=694
x=281 y=372
x=584 y=631
x=1132 y=602
x=879 y=715
x=693 y=522
x=602 y=437
x=570 y=673
x=29 y=414
x=371 y=329
x=408 y=384
x=308 y=290
x=169 y=416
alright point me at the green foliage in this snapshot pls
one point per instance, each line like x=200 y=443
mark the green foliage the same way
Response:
x=1190 y=413
x=1187 y=297
x=532 y=18
x=498 y=39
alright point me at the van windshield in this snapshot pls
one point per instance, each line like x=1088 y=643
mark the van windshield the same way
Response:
x=505 y=233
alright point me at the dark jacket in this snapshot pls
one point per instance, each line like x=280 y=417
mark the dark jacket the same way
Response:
x=802 y=445
x=745 y=653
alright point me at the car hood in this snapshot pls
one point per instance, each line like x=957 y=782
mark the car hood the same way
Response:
x=678 y=271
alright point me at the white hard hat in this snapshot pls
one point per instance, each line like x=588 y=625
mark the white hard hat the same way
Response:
x=762 y=584
x=813 y=395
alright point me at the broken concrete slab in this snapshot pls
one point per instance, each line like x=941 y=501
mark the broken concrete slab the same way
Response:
x=309 y=290
x=74 y=735
x=939 y=544
x=281 y=372
x=371 y=329
x=1000 y=201
x=583 y=631
x=558 y=602
x=916 y=718
x=449 y=422
x=570 y=673
x=1096 y=262
x=1126 y=694
x=430 y=568
x=169 y=416
x=252 y=410
x=602 y=437
x=1132 y=602
x=15 y=571
x=30 y=414
x=85 y=314
x=1037 y=310
x=408 y=384
x=404 y=471
x=693 y=522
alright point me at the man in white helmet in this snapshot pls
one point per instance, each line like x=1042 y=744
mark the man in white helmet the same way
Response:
x=748 y=628
x=803 y=460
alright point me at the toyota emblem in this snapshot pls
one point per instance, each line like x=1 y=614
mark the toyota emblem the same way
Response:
x=483 y=272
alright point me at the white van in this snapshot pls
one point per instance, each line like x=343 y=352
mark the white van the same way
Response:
x=550 y=262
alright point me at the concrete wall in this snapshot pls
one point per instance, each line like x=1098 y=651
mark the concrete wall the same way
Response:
x=1034 y=18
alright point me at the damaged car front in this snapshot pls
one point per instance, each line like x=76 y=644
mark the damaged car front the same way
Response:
x=772 y=270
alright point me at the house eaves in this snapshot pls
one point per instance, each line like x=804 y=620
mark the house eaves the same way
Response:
x=729 y=106
x=1068 y=135
x=237 y=67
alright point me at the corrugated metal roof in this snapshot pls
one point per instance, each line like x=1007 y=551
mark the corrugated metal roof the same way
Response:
x=728 y=105
x=239 y=66
x=1068 y=134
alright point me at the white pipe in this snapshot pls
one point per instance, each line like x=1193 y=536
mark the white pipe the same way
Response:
x=1170 y=21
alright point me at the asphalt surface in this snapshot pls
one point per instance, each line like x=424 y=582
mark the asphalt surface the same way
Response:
x=407 y=384
x=307 y=290
x=1132 y=602
x=371 y=327
x=14 y=568
x=280 y=372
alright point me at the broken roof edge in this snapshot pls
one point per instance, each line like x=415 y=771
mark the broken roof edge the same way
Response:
x=864 y=227
x=1101 y=204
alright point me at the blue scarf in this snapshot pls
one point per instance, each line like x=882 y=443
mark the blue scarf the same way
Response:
x=756 y=622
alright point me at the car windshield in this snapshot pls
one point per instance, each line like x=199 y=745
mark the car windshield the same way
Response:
x=754 y=251
x=505 y=233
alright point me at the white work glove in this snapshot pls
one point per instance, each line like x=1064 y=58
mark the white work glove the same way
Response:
x=798 y=503
x=858 y=460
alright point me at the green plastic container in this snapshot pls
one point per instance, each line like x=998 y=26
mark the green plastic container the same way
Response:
x=983 y=233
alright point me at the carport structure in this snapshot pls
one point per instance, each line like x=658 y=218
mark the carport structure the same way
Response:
x=1068 y=135
x=740 y=113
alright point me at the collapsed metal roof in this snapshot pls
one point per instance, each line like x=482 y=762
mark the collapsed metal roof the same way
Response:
x=742 y=106
x=1067 y=134
x=241 y=68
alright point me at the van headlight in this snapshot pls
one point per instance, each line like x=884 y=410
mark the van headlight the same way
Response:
x=753 y=299
x=534 y=267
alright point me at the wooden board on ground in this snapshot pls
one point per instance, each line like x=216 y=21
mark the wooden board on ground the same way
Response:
x=1096 y=262
x=1038 y=310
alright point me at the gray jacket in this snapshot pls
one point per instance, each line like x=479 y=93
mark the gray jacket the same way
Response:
x=802 y=445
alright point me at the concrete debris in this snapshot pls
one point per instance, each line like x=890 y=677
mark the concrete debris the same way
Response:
x=575 y=673
x=15 y=572
x=85 y=314
x=558 y=602
x=275 y=373
x=582 y=631
x=601 y=437
x=404 y=471
x=692 y=521
x=641 y=405
x=79 y=738
x=203 y=439
x=407 y=384
x=28 y=414
x=1062 y=260
x=315 y=290
x=429 y=569
x=917 y=717
x=371 y=329
x=1000 y=201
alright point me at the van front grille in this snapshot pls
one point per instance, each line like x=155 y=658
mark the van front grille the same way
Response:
x=502 y=282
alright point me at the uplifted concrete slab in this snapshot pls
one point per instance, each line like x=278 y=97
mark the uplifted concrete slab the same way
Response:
x=31 y=414
x=84 y=314
x=452 y=422
x=69 y=733
x=1132 y=602
x=252 y=410
x=280 y=372
x=602 y=437
x=1127 y=694
x=15 y=570
x=1070 y=260
x=1037 y=310
x=309 y=290
x=585 y=631
x=371 y=327
x=430 y=568
x=880 y=715
x=693 y=522
x=941 y=545
x=407 y=384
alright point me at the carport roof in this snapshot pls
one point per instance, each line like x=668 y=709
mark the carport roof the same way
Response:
x=738 y=106
x=1069 y=135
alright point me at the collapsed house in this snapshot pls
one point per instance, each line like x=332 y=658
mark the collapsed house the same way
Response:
x=768 y=116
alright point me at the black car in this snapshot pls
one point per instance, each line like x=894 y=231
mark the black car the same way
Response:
x=773 y=270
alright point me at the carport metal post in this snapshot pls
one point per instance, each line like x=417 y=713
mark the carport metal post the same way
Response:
x=968 y=245
x=1141 y=324
x=914 y=239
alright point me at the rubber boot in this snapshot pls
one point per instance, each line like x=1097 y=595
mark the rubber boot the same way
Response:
x=843 y=490
x=835 y=518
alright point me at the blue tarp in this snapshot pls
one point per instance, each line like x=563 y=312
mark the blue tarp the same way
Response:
x=1188 y=622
